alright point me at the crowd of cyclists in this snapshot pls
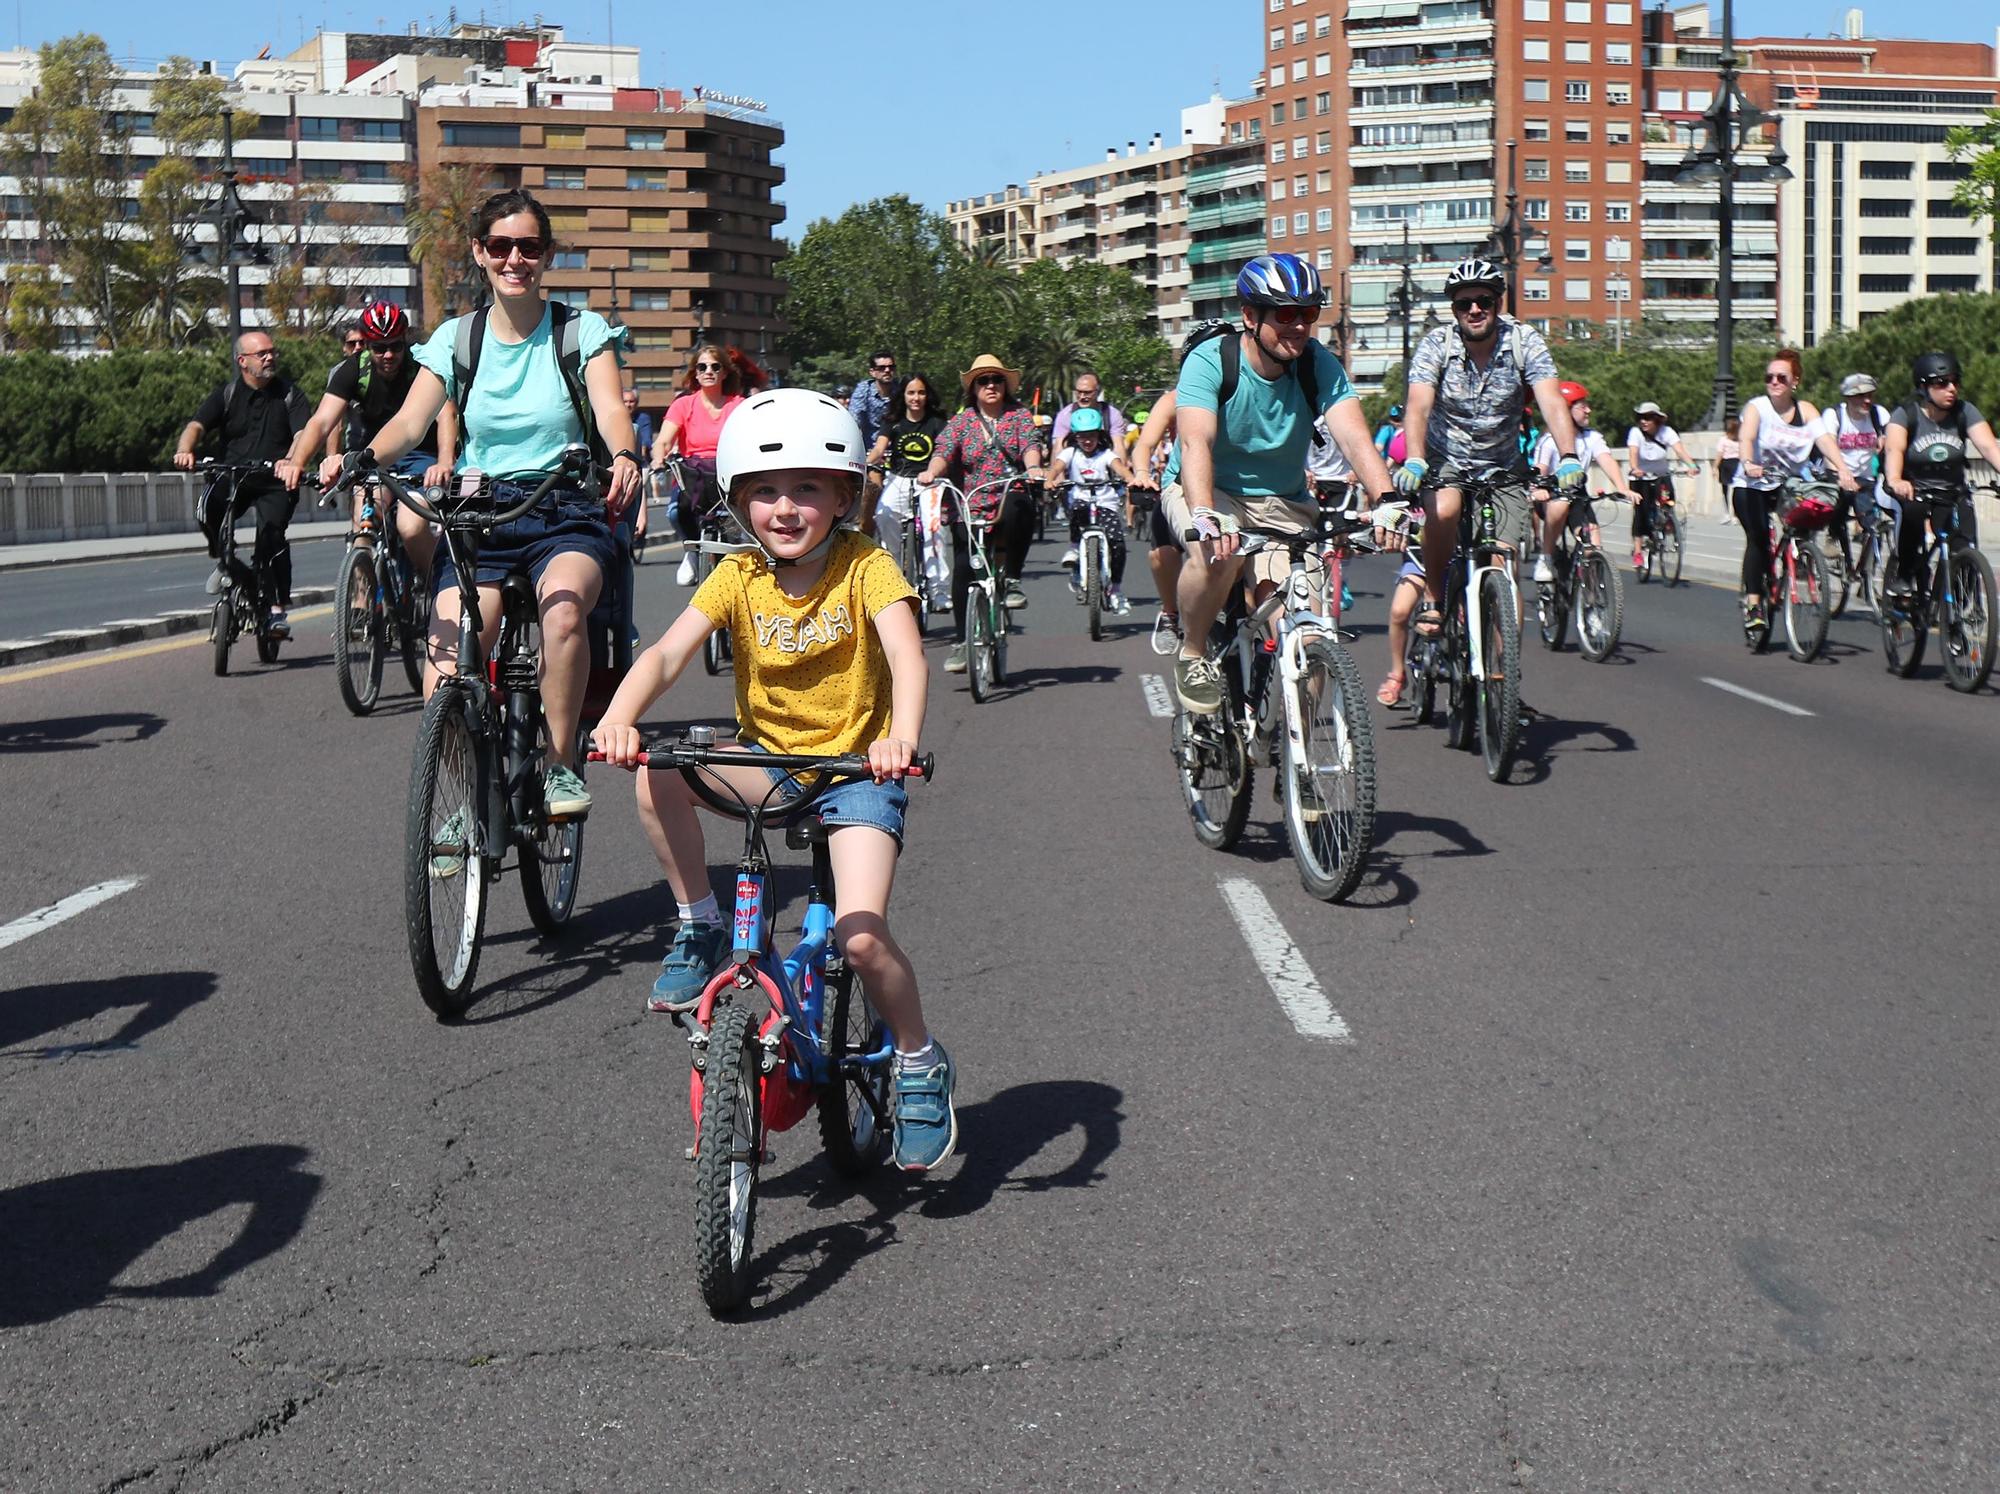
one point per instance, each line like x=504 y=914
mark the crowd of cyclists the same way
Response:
x=1261 y=428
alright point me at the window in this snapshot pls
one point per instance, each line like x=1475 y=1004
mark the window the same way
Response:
x=563 y=137
x=1535 y=209
x=1535 y=170
x=1576 y=51
x=1667 y=99
x=1534 y=10
x=1617 y=14
x=1298 y=147
x=1576 y=250
x=1323 y=182
x=1256 y=129
x=1878 y=244
x=1278 y=76
x=1885 y=207
x=378 y=129
x=482 y=135
x=1277 y=152
x=1323 y=143
x=1322 y=103
x=1700 y=98
x=1534 y=129
x=1885 y=171
x=1617 y=132
x=1298 y=70
x=1576 y=171
x=1617 y=212
x=579 y=299
x=1576 y=131
x=563 y=178
x=1945 y=246
x=644 y=139
x=1277 y=228
x=1299 y=108
x=1937 y=283
x=1576 y=290
x=1322 y=64
x=568 y=259
x=1323 y=220
x=645 y=181
x=1618 y=171
x=1618 y=54
x=1278 y=189
x=1298 y=33
x=1534 y=290
x=1535 y=90
x=1576 y=212
x=1577 y=12
x=1300 y=222
x=1322 y=25
x=1535 y=49
x=1299 y=185
x=1618 y=249
x=1886 y=285
x=1576 y=91
x=1947 y=171
x=1277 y=37
x=1944 y=207
x=651 y=300
x=1324 y=259
x=648 y=220
x=1618 y=93
x=1278 y=112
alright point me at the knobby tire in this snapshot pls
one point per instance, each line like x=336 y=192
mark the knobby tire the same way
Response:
x=444 y=779
x=728 y=1157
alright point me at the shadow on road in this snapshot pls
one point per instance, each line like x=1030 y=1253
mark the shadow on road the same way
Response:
x=74 y=733
x=1385 y=881
x=1543 y=738
x=601 y=942
x=157 y=999
x=1021 y=681
x=999 y=1138
x=65 y=1242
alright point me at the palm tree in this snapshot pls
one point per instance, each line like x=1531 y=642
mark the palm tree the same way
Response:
x=440 y=225
x=1056 y=359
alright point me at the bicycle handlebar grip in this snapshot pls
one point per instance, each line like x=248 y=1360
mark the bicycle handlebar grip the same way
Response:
x=594 y=756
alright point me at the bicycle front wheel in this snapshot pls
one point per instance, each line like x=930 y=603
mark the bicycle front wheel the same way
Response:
x=1805 y=600
x=978 y=643
x=1599 y=600
x=854 y=1107
x=1673 y=548
x=222 y=631
x=444 y=872
x=1330 y=791
x=1965 y=631
x=1500 y=690
x=551 y=859
x=729 y=1152
x=1833 y=549
x=1553 y=609
x=357 y=633
x=1093 y=587
x=1903 y=622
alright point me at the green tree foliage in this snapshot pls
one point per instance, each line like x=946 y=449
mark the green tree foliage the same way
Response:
x=887 y=274
x=34 y=307
x=440 y=222
x=1968 y=325
x=1979 y=145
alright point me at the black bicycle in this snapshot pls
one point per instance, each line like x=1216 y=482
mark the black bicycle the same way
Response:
x=246 y=595
x=380 y=605
x=481 y=751
x=907 y=545
x=1586 y=589
x=1952 y=594
x=698 y=487
x=1664 y=547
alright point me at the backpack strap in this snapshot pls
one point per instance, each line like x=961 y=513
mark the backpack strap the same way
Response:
x=1232 y=370
x=566 y=337
x=233 y=396
x=466 y=347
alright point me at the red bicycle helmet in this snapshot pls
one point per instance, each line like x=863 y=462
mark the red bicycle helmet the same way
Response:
x=385 y=321
x=1572 y=392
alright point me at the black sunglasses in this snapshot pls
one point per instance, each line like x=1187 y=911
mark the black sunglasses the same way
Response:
x=883 y=367
x=708 y=368
x=499 y=246
x=1938 y=381
x=987 y=381
x=1475 y=303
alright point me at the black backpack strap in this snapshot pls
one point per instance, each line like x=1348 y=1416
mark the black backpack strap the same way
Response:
x=566 y=338
x=466 y=347
x=1307 y=370
x=233 y=395
x=1232 y=371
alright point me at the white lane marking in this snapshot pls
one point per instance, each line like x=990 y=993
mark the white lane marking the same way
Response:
x=1285 y=968
x=1774 y=704
x=55 y=913
x=1159 y=699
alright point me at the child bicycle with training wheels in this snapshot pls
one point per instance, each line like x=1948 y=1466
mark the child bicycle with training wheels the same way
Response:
x=829 y=660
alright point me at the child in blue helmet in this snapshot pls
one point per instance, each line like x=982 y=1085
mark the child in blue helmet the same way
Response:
x=1088 y=461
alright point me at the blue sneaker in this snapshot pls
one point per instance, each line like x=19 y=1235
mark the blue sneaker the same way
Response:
x=926 y=1123
x=697 y=950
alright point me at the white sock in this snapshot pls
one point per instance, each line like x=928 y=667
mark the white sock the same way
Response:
x=705 y=911
x=922 y=1058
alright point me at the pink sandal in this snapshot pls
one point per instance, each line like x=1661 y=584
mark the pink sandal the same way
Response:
x=1391 y=692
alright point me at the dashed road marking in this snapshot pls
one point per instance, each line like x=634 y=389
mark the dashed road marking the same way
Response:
x=55 y=913
x=1159 y=698
x=1285 y=969
x=1767 y=700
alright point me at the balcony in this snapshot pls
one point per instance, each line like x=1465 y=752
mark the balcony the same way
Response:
x=1422 y=109
x=1232 y=250
x=1226 y=215
x=1204 y=180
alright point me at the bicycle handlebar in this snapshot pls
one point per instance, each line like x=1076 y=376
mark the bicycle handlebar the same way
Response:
x=575 y=463
x=847 y=765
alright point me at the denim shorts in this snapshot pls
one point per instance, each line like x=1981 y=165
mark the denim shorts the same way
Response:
x=564 y=522
x=852 y=801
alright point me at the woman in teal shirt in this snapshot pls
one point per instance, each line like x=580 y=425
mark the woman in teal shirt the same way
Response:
x=518 y=419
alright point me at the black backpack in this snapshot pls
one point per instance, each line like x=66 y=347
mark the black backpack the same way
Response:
x=565 y=337
x=1301 y=369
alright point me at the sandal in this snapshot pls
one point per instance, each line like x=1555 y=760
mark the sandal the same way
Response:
x=1428 y=621
x=1391 y=692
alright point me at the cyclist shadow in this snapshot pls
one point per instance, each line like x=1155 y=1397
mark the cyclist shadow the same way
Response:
x=74 y=733
x=157 y=999
x=1386 y=882
x=1021 y=681
x=999 y=1137
x=602 y=941
x=1543 y=738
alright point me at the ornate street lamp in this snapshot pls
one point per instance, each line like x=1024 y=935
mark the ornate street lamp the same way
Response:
x=233 y=218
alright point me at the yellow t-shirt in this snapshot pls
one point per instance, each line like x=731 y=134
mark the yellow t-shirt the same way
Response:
x=811 y=676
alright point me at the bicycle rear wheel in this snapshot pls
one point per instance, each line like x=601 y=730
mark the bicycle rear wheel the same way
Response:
x=1904 y=623
x=1673 y=548
x=551 y=857
x=1838 y=581
x=1213 y=764
x=1421 y=671
x=413 y=627
x=1455 y=655
x=358 y=642
x=1965 y=632
x=1599 y=601
x=222 y=630
x=1553 y=609
x=1500 y=691
x=444 y=872
x=978 y=643
x=729 y=1153
x=1805 y=600
x=854 y=1109
x=1330 y=795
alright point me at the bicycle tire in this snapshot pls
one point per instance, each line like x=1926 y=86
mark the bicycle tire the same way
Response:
x=1673 y=551
x=357 y=633
x=1838 y=581
x=222 y=631
x=444 y=780
x=1460 y=730
x=552 y=858
x=729 y=1154
x=1598 y=599
x=1500 y=691
x=1332 y=831
x=1903 y=627
x=996 y=659
x=1093 y=589
x=978 y=643
x=1805 y=601
x=1552 y=609
x=413 y=628
x=1216 y=778
x=1420 y=669
x=267 y=648
x=1965 y=633
x=851 y=1131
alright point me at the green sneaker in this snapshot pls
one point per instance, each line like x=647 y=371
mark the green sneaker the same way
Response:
x=1198 y=683
x=564 y=795
x=954 y=660
x=448 y=847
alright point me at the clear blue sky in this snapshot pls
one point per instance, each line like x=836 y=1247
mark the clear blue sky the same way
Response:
x=875 y=103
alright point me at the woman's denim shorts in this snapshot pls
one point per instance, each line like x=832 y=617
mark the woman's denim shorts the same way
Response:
x=564 y=522
x=852 y=801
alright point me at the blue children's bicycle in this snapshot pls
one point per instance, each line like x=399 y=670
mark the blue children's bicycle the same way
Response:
x=773 y=1038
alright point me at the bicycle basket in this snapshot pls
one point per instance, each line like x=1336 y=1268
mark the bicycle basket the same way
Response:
x=1808 y=511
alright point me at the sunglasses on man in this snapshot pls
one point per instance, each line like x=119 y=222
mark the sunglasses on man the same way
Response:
x=1463 y=304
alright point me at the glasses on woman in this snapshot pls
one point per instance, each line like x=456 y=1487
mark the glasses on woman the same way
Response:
x=1939 y=381
x=1777 y=378
x=708 y=368
x=499 y=246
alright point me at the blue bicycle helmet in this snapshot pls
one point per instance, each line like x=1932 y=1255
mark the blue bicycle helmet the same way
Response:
x=1280 y=280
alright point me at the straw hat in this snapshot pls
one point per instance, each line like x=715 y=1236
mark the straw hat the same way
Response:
x=986 y=363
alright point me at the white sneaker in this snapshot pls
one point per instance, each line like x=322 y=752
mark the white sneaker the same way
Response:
x=1543 y=570
x=215 y=580
x=685 y=575
x=1069 y=557
x=1118 y=603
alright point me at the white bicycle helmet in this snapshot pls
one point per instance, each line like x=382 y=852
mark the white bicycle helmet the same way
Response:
x=1474 y=272
x=782 y=429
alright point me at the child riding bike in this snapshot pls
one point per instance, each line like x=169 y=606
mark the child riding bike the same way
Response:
x=829 y=660
x=1088 y=461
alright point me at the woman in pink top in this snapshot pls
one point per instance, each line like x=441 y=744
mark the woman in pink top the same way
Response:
x=694 y=424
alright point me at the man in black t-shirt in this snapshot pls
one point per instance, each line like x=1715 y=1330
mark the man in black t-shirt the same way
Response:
x=367 y=390
x=256 y=414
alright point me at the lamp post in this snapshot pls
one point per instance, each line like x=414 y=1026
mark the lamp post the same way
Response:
x=1727 y=122
x=1506 y=234
x=1343 y=328
x=233 y=218
x=1404 y=293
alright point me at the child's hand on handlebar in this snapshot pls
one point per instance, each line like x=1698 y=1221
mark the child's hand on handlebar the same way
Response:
x=620 y=744
x=891 y=758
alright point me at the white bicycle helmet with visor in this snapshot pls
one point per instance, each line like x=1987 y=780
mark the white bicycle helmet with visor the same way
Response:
x=783 y=430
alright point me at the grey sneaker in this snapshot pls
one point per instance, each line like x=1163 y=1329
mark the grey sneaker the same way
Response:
x=564 y=795
x=1166 y=637
x=1198 y=683
x=1015 y=599
x=448 y=847
x=697 y=950
x=217 y=578
x=954 y=661
x=926 y=1122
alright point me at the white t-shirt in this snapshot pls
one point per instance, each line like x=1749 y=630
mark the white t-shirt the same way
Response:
x=1589 y=447
x=1858 y=443
x=1783 y=449
x=1324 y=463
x=1657 y=455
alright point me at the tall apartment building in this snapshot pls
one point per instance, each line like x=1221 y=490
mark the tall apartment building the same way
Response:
x=1226 y=188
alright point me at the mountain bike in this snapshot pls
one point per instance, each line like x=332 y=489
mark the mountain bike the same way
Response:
x=772 y=1037
x=1586 y=588
x=1854 y=562
x=1796 y=579
x=1478 y=656
x=481 y=751
x=985 y=600
x=1664 y=548
x=1953 y=595
x=1313 y=727
x=244 y=601
x=379 y=604
x=1091 y=578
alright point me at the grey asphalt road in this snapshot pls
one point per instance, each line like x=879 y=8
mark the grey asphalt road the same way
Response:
x=89 y=593
x=1660 y=1158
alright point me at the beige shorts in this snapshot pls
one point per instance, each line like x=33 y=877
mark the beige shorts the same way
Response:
x=1252 y=513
